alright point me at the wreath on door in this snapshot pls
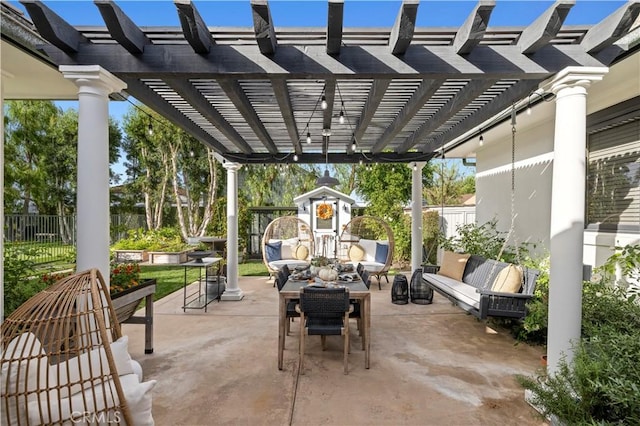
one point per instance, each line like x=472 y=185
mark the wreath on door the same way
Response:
x=324 y=211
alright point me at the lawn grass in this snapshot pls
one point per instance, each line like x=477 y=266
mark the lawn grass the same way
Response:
x=170 y=278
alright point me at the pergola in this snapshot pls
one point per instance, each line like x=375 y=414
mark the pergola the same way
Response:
x=408 y=94
x=252 y=94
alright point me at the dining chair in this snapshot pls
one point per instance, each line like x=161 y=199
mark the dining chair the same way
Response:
x=324 y=312
x=357 y=305
x=291 y=313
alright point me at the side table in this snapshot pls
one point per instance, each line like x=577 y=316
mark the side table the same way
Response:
x=198 y=298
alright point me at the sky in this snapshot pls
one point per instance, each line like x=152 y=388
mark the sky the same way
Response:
x=312 y=13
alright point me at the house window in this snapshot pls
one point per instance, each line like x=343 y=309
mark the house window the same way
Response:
x=613 y=172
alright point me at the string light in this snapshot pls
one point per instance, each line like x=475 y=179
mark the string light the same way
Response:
x=308 y=137
x=323 y=104
x=295 y=157
x=415 y=167
x=481 y=140
x=150 y=128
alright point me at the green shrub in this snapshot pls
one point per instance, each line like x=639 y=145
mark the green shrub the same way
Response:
x=431 y=235
x=163 y=239
x=484 y=240
x=602 y=384
x=20 y=276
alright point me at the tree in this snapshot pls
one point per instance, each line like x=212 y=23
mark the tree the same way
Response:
x=387 y=188
x=41 y=157
x=448 y=185
x=276 y=184
x=164 y=162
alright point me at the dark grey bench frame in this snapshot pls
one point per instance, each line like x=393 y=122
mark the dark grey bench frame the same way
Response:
x=480 y=273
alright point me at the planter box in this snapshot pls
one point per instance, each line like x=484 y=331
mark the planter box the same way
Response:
x=130 y=255
x=125 y=304
x=167 y=258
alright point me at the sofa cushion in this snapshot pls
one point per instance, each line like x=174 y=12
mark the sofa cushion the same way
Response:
x=356 y=253
x=291 y=263
x=509 y=280
x=453 y=265
x=382 y=251
x=273 y=251
x=462 y=292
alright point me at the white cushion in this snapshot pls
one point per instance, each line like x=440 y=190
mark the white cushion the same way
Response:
x=369 y=247
x=85 y=407
x=27 y=362
x=465 y=293
x=92 y=363
x=291 y=263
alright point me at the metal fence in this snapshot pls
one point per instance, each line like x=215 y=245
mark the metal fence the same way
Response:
x=52 y=238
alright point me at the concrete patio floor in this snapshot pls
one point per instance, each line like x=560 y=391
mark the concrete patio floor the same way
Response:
x=430 y=365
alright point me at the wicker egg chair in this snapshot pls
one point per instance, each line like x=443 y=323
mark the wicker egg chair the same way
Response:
x=287 y=240
x=368 y=240
x=57 y=363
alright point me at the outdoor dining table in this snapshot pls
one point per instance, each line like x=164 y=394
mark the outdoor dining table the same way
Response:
x=357 y=290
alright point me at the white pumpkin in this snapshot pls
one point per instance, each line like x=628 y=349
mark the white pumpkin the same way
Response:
x=328 y=274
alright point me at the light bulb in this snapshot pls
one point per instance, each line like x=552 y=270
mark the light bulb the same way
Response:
x=341 y=117
x=323 y=104
x=295 y=157
x=415 y=167
x=308 y=137
x=481 y=140
x=353 y=146
x=150 y=128
x=360 y=162
x=528 y=110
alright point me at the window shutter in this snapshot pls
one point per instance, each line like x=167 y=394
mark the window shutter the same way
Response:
x=613 y=177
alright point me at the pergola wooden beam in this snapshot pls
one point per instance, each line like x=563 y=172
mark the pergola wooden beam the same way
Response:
x=471 y=91
x=263 y=27
x=281 y=91
x=121 y=27
x=243 y=104
x=194 y=28
x=147 y=96
x=545 y=28
x=189 y=93
x=402 y=31
x=519 y=90
x=611 y=28
x=376 y=95
x=334 y=26
x=416 y=102
x=473 y=29
x=53 y=28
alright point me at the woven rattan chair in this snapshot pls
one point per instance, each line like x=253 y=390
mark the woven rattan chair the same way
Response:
x=56 y=346
x=287 y=240
x=368 y=240
x=324 y=312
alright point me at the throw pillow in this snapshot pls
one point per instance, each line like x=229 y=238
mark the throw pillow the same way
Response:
x=286 y=251
x=509 y=280
x=453 y=265
x=369 y=247
x=301 y=252
x=273 y=251
x=356 y=253
x=382 y=251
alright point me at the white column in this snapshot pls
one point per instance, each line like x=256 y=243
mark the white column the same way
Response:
x=232 y=291
x=94 y=86
x=568 y=211
x=2 y=83
x=416 y=214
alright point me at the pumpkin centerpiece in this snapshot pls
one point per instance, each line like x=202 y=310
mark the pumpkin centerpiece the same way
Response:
x=327 y=274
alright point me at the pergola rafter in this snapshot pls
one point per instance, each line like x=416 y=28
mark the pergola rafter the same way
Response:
x=405 y=90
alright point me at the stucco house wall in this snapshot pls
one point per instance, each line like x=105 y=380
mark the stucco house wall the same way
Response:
x=534 y=167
